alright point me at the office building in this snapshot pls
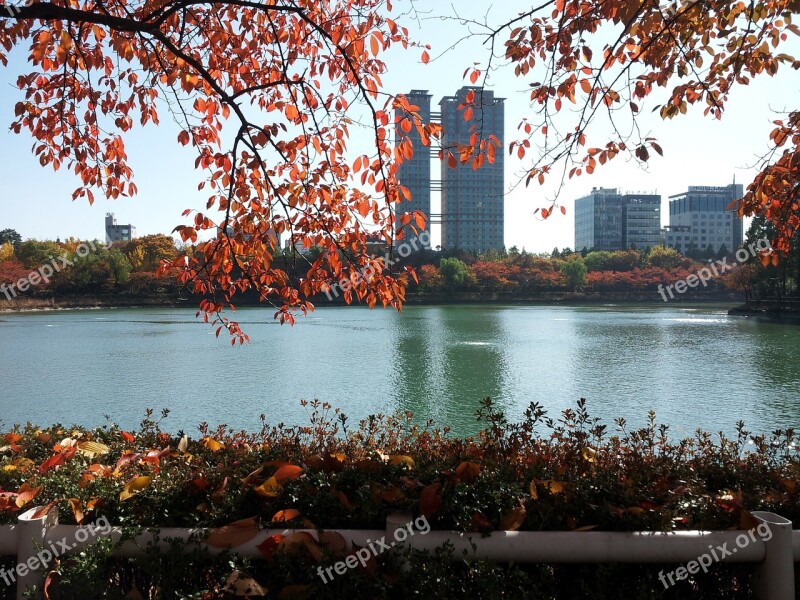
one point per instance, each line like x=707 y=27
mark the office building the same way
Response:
x=472 y=199
x=641 y=221
x=605 y=219
x=415 y=173
x=116 y=232
x=702 y=217
x=598 y=220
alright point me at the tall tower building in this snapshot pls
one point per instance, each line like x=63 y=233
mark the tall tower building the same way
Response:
x=700 y=217
x=415 y=173
x=472 y=200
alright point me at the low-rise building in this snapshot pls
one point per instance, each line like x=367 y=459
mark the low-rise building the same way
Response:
x=703 y=216
x=116 y=232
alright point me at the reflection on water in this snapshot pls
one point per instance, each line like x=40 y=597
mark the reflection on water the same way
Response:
x=696 y=367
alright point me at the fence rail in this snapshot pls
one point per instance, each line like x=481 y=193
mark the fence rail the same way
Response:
x=773 y=558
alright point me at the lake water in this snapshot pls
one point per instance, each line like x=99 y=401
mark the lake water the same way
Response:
x=696 y=367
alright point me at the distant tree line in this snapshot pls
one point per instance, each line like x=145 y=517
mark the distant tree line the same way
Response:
x=131 y=268
x=125 y=267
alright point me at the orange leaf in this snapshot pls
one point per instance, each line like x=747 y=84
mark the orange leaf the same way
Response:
x=401 y=459
x=468 y=471
x=234 y=534
x=24 y=497
x=285 y=515
x=513 y=519
x=287 y=472
x=77 y=509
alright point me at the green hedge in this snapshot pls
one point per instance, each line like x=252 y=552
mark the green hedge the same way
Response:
x=566 y=473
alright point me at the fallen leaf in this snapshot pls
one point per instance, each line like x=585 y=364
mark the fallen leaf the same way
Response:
x=134 y=486
x=269 y=489
x=513 y=519
x=234 y=534
x=241 y=585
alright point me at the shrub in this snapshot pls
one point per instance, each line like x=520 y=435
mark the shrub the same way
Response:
x=539 y=474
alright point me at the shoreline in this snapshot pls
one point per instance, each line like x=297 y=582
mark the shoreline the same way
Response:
x=30 y=305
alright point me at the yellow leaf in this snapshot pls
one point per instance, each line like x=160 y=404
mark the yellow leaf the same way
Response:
x=92 y=449
x=402 y=459
x=555 y=487
x=134 y=486
x=534 y=493
x=269 y=489
x=22 y=463
x=212 y=444
x=589 y=454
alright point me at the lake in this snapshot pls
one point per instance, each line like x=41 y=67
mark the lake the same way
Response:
x=695 y=366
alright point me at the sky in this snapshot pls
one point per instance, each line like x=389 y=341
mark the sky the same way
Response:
x=697 y=151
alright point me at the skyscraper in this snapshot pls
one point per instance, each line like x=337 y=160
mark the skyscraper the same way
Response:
x=415 y=173
x=700 y=217
x=472 y=200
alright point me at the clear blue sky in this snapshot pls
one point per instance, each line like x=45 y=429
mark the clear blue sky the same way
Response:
x=697 y=151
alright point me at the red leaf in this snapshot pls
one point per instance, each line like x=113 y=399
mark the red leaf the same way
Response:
x=430 y=500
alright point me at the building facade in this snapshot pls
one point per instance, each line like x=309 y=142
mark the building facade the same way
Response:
x=641 y=221
x=598 y=220
x=701 y=217
x=472 y=200
x=415 y=173
x=116 y=232
x=605 y=219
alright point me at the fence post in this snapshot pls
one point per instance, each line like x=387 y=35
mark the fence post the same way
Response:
x=31 y=536
x=774 y=578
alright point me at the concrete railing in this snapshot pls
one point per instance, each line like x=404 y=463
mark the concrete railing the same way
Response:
x=773 y=558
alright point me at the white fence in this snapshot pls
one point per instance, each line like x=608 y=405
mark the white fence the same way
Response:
x=773 y=559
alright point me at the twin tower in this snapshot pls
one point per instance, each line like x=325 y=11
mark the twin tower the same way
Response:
x=472 y=200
